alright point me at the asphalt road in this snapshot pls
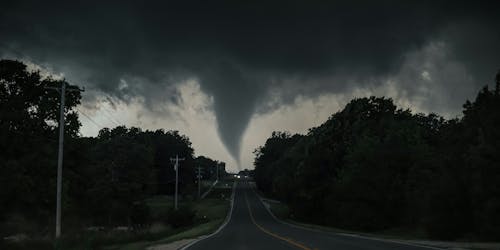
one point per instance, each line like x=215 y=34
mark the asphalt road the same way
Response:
x=251 y=226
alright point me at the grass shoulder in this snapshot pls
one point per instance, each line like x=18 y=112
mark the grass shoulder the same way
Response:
x=210 y=213
x=282 y=212
x=406 y=235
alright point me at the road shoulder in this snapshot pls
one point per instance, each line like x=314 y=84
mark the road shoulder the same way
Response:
x=186 y=243
x=421 y=243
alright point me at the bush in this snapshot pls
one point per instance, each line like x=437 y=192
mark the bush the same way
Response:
x=140 y=216
x=489 y=220
x=27 y=244
x=449 y=215
x=182 y=217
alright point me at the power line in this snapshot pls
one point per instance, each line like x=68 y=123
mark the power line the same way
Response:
x=90 y=119
x=109 y=112
x=111 y=117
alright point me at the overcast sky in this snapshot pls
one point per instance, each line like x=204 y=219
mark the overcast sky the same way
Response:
x=229 y=73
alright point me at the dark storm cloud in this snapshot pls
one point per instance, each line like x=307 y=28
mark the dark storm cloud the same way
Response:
x=239 y=50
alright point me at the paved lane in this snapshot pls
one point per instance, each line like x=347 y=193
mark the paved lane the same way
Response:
x=240 y=232
x=252 y=227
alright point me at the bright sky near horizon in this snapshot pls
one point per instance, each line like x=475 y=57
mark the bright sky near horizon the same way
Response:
x=227 y=74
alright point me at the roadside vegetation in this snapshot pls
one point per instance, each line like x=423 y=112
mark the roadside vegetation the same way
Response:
x=117 y=186
x=282 y=212
x=193 y=219
x=373 y=167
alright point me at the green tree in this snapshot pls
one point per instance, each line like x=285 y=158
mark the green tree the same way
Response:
x=28 y=124
x=372 y=166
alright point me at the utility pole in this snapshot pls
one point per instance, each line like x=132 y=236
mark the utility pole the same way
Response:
x=176 y=167
x=62 y=90
x=217 y=171
x=199 y=182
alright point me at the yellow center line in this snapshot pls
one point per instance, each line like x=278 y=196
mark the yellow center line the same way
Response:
x=288 y=240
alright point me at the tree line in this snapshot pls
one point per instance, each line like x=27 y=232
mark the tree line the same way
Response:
x=372 y=167
x=105 y=178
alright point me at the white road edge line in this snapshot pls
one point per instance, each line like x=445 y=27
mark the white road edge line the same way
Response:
x=342 y=234
x=228 y=218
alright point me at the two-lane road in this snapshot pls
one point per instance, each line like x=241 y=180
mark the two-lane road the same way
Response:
x=251 y=226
